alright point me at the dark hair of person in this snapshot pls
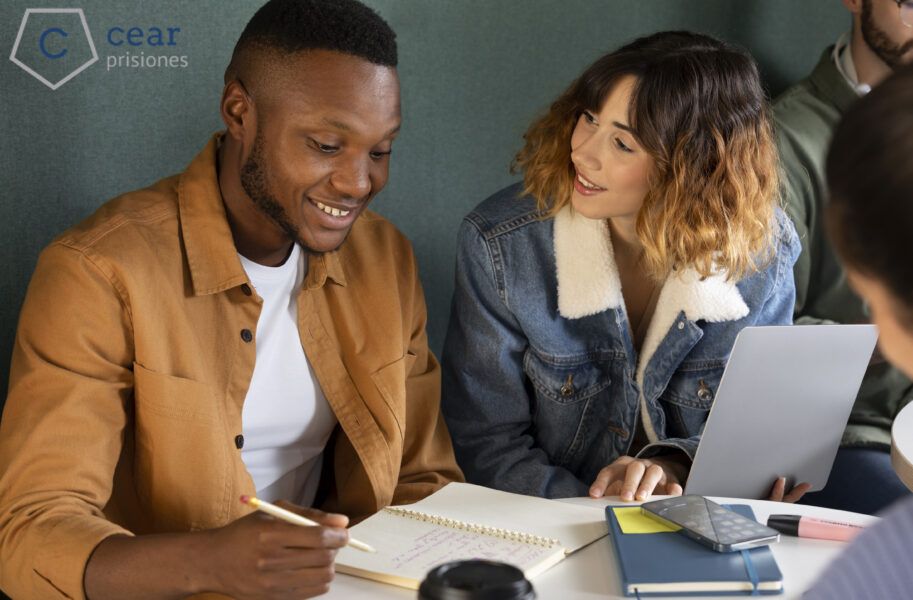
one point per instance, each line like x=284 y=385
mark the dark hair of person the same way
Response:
x=291 y=26
x=870 y=180
x=699 y=110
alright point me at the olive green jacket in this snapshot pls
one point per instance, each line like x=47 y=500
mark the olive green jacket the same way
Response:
x=806 y=115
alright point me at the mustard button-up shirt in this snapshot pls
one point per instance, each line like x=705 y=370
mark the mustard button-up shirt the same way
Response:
x=130 y=369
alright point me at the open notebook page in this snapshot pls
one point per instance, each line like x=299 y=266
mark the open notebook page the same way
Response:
x=408 y=548
x=573 y=525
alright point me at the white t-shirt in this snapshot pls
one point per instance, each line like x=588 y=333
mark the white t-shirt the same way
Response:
x=286 y=420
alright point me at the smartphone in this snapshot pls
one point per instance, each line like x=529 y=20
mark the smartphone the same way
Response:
x=710 y=524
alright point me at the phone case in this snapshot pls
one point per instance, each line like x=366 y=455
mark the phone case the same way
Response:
x=711 y=524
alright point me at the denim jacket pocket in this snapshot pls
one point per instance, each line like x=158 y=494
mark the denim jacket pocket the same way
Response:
x=566 y=404
x=688 y=398
x=565 y=382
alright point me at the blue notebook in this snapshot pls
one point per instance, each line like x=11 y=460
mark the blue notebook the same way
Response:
x=670 y=564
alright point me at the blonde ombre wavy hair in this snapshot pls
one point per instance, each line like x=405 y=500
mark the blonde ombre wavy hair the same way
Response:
x=698 y=109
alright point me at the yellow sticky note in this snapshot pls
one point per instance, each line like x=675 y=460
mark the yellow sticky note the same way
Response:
x=632 y=520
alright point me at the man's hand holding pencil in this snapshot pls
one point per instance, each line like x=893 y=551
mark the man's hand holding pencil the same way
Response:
x=268 y=557
x=290 y=516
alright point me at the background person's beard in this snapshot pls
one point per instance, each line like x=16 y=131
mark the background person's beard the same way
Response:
x=892 y=54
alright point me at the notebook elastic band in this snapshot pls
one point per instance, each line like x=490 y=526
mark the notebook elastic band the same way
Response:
x=752 y=572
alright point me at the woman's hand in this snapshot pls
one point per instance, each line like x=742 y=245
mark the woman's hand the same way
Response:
x=637 y=478
x=778 y=491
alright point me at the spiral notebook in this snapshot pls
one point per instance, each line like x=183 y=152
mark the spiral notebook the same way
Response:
x=463 y=521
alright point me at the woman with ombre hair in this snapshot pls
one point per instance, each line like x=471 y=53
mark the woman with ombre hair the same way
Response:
x=597 y=303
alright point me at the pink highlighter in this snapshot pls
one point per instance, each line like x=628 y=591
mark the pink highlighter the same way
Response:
x=809 y=527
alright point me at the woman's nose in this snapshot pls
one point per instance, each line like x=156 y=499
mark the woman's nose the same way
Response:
x=584 y=156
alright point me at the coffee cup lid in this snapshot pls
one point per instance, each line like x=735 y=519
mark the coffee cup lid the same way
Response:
x=476 y=580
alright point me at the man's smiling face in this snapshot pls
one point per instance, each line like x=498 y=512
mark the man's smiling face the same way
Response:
x=325 y=129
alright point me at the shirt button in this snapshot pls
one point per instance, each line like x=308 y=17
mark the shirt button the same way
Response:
x=239 y=441
x=246 y=335
x=245 y=289
x=681 y=324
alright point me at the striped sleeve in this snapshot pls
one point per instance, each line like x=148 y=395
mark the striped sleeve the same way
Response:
x=876 y=565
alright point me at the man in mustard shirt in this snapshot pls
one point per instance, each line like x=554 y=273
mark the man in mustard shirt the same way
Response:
x=245 y=327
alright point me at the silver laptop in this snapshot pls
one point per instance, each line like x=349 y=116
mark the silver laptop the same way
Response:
x=781 y=408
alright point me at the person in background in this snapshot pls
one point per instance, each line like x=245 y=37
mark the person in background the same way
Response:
x=870 y=217
x=596 y=304
x=805 y=116
x=245 y=327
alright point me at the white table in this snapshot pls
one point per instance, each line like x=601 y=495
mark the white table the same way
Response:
x=592 y=572
x=902 y=445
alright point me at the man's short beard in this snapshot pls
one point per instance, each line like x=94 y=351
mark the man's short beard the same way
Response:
x=255 y=184
x=890 y=53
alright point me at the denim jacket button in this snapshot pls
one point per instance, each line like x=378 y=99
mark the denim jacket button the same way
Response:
x=568 y=388
x=704 y=392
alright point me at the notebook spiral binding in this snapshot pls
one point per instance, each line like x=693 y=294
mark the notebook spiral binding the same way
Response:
x=507 y=534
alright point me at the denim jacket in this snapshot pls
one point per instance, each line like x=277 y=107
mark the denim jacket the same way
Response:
x=542 y=386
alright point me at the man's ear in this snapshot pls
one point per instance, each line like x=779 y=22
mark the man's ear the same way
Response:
x=237 y=111
x=854 y=6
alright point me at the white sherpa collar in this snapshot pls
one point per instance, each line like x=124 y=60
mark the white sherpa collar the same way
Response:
x=588 y=283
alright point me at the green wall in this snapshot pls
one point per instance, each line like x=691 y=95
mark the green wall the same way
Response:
x=473 y=73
